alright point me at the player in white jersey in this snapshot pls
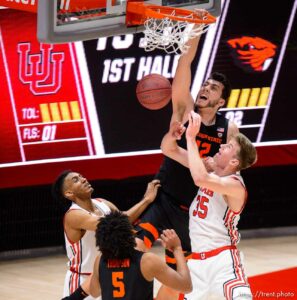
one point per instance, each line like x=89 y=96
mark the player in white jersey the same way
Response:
x=80 y=223
x=216 y=265
x=82 y=252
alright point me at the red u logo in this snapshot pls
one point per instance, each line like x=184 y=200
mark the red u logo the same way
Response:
x=43 y=72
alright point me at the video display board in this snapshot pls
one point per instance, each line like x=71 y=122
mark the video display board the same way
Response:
x=255 y=49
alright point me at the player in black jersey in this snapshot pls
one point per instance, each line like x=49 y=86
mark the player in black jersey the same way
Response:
x=121 y=272
x=170 y=210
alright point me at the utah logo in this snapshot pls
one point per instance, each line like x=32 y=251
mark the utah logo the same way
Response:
x=43 y=71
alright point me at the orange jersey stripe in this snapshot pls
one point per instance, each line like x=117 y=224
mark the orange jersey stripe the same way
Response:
x=150 y=228
x=147 y=242
x=171 y=260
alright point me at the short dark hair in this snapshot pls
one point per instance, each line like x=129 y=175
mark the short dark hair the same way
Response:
x=114 y=236
x=224 y=81
x=57 y=187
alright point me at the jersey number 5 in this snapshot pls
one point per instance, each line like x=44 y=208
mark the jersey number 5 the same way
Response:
x=201 y=207
x=118 y=284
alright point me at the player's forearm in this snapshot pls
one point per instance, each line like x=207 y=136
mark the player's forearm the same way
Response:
x=196 y=165
x=182 y=100
x=168 y=144
x=190 y=54
x=185 y=283
x=135 y=211
x=170 y=148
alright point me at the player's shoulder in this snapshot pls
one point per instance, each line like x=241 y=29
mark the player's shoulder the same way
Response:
x=74 y=215
x=150 y=259
x=74 y=210
x=102 y=201
x=150 y=263
x=99 y=200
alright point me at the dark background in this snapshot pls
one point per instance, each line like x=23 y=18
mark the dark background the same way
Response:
x=30 y=218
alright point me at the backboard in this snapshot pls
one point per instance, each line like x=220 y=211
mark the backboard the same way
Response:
x=61 y=21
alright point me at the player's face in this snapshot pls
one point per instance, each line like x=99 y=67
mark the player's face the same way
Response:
x=77 y=185
x=227 y=153
x=210 y=95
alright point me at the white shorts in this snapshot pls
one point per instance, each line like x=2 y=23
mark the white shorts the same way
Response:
x=221 y=276
x=72 y=282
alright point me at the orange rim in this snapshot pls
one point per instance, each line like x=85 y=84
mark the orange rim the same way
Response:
x=138 y=12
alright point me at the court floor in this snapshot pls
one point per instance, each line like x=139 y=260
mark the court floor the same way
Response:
x=42 y=278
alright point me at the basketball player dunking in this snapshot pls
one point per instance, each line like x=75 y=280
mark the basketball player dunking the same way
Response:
x=171 y=208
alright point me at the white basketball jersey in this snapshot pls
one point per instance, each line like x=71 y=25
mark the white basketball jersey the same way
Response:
x=212 y=223
x=82 y=254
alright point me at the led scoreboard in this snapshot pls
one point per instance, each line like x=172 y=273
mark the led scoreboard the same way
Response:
x=74 y=105
x=44 y=111
x=255 y=49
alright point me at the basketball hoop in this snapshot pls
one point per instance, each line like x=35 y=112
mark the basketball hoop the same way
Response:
x=167 y=28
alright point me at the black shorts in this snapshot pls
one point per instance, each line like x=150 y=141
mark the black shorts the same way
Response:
x=162 y=214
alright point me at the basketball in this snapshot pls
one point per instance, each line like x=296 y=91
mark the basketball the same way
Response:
x=153 y=91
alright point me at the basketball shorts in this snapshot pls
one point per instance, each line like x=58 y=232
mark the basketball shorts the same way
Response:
x=221 y=276
x=162 y=214
x=72 y=282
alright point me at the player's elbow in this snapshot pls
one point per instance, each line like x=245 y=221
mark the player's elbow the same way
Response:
x=187 y=287
x=199 y=179
x=197 y=182
x=163 y=148
x=167 y=148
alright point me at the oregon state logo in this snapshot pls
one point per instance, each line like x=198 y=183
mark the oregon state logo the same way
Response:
x=253 y=54
x=43 y=71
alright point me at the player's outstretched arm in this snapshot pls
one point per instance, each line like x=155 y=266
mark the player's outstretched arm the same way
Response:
x=149 y=196
x=152 y=266
x=80 y=220
x=169 y=146
x=182 y=100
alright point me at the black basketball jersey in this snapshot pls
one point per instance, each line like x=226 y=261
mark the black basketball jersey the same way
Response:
x=176 y=180
x=123 y=280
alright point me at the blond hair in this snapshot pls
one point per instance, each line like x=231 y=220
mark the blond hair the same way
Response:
x=247 y=155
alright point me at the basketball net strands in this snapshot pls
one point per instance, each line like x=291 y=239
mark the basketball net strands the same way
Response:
x=167 y=28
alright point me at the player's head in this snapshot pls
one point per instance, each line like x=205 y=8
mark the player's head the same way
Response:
x=247 y=154
x=71 y=185
x=239 y=153
x=224 y=81
x=115 y=237
x=214 y=92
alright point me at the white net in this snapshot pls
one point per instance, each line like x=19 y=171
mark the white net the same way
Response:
x=171 y=35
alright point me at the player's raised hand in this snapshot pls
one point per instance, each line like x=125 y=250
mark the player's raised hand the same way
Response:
x=201 y=13
x=152 y=190
x=170 y=240
x=177 y=129
x=194 y=125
